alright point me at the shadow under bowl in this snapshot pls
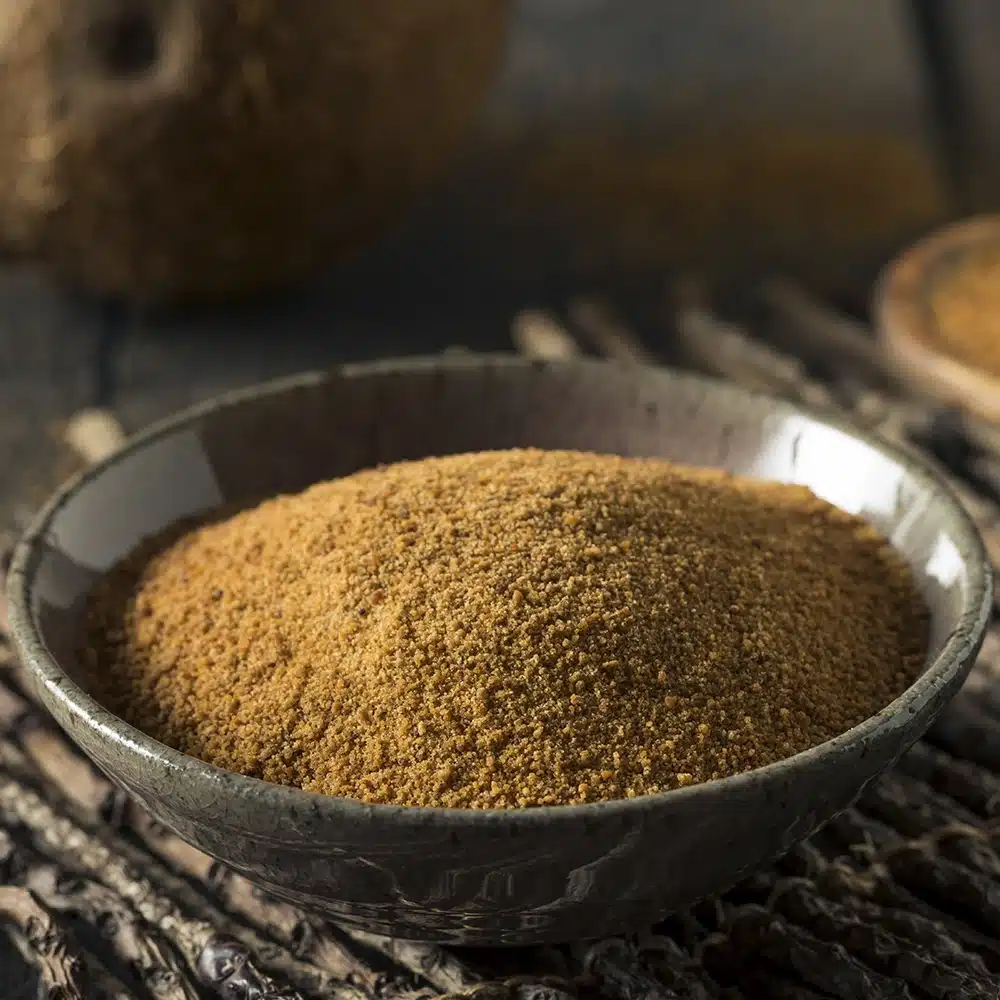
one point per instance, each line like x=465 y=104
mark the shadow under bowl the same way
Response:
x=488 y=877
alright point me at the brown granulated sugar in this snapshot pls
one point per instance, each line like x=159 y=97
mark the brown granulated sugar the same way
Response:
x=965 y=302
x=509 y=629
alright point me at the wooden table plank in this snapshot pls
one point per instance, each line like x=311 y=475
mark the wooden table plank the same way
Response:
x=48 y=353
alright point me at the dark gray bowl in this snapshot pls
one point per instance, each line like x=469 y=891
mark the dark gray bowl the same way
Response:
x=467 y=876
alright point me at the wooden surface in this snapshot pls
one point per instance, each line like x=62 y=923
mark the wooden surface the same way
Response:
x=59 y=354
x=896 y=900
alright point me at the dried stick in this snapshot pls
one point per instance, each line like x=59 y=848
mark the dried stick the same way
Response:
x=131 y=939
x=875 y=883
x=6 y=551
x=840 y=883
x=963 y=781
x=310 y=954
x=966 y=731
x=984 y=681
x=972 y=848
x=49 y=947
x=945 y=884
x=222 y=964
x=813 y=330
x=616 y=966
x=756 y=980
x=94 y=435
x=606 y=331
x=904 y=918
x=52 y=756
x=682 y=971
x=310 y=938
x=866 y=935
x=757 y=931
x=538 y=335
x=911 y=807
x=858 y=834
x=438 y=967
x=719 y=348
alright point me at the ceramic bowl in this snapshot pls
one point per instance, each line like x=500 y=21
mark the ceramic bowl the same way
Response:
x=488 y=877
x=907 y=327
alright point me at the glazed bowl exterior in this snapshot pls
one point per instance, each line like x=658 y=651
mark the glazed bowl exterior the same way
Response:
x=488 y=877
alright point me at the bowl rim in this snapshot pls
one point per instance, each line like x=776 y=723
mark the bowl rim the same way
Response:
x=951 y=665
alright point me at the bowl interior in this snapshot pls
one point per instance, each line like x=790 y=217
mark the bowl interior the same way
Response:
x=285 y=436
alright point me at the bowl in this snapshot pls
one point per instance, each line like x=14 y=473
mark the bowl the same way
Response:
x=908 y=329
x=467 y=876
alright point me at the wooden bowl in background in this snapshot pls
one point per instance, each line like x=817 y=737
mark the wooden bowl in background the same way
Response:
x=908 y=328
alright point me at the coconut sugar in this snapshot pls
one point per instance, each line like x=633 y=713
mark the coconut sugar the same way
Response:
x=509 y=629
x=965 y=302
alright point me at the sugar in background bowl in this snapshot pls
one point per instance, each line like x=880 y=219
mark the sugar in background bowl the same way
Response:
x=491 y=877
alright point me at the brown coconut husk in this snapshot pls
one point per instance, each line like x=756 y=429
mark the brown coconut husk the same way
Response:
x=167 y=150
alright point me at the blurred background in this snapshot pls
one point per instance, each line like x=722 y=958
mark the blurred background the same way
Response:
x=623 y=143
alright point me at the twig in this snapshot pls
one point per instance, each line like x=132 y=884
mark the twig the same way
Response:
x=309 y=937
x=814 y=331
x=438 y=967
x=678 y=968
x=837 y=881
x=6 y=550
x=875 y=884
x=919 y=866
x=291 y=955
x=827 y=967
x=52 y=756
x=69 y=770
x=45 y=943
x=94 y=435
x=912 y=807
x=131 y=939
x=966 y=731
x=965 y=782
x=867 y=936
x=538 y=335
x=606 y=331
x=984 y=681
x=719 y=348
x=223 y=964
x=616 y=966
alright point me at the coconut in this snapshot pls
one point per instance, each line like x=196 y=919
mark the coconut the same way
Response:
x=177 y=150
